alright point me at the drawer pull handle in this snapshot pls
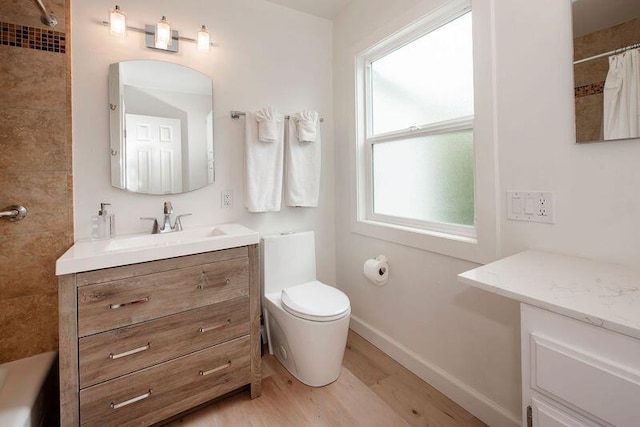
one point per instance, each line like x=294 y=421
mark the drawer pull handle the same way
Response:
x=218 y=369
x=124 y=304
x=203 y=278
x=132 y=400
x=130 y=352
x=211 y=328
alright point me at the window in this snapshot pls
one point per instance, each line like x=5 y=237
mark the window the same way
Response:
x=417 y=128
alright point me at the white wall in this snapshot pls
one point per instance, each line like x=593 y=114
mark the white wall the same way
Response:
x=595 y=185
x=445 y=332
x=265 y=55
x=464 y=340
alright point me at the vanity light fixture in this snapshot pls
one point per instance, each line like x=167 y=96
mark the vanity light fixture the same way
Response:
x=203 y=39
x=159 y=36
x=163 y=34
x=118 y=22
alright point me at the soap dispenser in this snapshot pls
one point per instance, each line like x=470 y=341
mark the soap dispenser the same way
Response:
x=103 y=225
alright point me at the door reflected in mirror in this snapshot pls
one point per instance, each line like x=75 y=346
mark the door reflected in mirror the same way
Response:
x=161 y=127
x=606 y=69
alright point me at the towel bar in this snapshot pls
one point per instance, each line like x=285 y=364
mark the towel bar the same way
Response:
x=236 y=115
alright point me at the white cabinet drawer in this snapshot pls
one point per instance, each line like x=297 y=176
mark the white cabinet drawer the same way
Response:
x=547 y=414
x=585 y=381
x=586 y=368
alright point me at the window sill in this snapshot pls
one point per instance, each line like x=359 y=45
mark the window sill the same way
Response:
x=460 y=247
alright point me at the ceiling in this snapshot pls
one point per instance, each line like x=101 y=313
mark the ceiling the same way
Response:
x=323 y=8
x=588 y=15
x=594 y=15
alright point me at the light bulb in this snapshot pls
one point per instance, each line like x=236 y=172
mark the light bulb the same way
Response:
x=117 y=22
x=163 y=34
x=203 y=39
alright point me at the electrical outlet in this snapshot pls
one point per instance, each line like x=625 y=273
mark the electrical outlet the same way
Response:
x=532 y=206
x=227 y=199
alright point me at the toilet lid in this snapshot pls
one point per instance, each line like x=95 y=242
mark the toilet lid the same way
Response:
x=315 y=301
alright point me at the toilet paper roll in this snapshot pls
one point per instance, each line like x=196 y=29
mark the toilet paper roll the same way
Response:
x=377 y=270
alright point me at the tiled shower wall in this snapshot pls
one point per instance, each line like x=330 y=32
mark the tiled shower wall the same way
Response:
x=35 y=171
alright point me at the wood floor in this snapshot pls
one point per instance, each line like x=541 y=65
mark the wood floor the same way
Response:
x=373 y=390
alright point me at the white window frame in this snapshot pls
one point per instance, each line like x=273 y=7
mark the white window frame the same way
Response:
x=449 y=126
x=475 y=243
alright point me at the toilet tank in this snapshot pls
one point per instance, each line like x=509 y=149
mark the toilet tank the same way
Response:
x=288 y=259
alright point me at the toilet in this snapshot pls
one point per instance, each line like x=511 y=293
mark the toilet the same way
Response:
x=306 y=321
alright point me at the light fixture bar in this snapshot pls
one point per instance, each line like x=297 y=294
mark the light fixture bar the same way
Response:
x=142 y=30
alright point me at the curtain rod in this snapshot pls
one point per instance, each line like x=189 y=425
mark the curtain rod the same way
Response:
x=236 y=115
x=623 y=49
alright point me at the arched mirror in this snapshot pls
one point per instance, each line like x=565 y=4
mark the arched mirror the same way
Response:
x=161 y=127
x=606 y=69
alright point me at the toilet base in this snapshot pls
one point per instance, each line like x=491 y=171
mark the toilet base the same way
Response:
x=311 y=351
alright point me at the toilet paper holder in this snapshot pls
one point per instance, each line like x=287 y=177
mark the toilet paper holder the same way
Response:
x=376 y=270
x=384 y=268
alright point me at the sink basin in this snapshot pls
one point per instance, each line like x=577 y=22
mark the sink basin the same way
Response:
x=87 y=255
x=168 y=239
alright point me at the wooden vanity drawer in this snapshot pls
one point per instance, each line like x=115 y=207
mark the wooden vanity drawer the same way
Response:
x=121 y=351
x=110 y=305
x=151 y=395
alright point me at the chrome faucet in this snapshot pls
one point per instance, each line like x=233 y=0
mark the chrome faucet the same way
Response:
x=166 y=224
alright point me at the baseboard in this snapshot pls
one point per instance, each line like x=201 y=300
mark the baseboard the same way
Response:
x=470 y=399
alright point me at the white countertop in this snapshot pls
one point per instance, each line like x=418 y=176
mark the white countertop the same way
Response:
x=86 y=255
x=603 y=294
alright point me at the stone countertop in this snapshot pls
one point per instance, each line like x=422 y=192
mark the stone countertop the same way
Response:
x=603 y=294
x=87 y=255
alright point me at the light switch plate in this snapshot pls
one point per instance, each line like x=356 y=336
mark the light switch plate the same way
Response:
x=531 y=206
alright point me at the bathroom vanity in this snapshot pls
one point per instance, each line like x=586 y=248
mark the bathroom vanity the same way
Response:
x=580 y=336
x=145 y=340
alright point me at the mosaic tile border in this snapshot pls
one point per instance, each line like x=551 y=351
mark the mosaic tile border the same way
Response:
x=588 y=90
x=32 y=38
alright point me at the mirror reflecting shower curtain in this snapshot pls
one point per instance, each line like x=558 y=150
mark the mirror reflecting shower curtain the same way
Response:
x=622 y=96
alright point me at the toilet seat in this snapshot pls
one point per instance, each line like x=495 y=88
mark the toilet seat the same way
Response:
x=315 y=301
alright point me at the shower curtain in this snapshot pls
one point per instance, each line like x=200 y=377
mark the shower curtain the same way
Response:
x=622 y=96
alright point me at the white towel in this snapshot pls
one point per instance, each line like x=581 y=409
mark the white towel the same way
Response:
x=269 y=124
x=263 y=168
x=303 y=168
x=306 y=125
